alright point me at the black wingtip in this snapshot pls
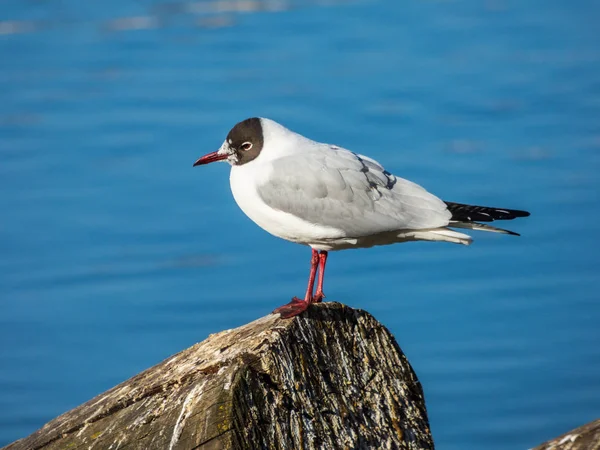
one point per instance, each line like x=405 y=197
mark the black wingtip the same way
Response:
x=472 y=213
x=519 y=213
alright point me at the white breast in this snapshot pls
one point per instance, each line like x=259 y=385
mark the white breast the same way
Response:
x=244 y=179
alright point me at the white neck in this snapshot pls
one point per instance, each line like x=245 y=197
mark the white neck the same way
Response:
x=279 y=142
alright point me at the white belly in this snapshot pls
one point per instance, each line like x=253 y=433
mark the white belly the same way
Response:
x=243 y=180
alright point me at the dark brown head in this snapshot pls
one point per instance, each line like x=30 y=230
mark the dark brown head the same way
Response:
x=243 y=144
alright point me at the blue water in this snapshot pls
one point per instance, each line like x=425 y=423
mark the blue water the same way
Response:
x=115 y=253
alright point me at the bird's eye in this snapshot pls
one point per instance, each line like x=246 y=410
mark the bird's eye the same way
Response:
x=246 y=146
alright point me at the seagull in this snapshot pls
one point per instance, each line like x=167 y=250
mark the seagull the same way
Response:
x=330 y=198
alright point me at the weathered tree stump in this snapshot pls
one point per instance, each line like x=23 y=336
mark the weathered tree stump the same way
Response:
x=586 y=437
x=331 y=378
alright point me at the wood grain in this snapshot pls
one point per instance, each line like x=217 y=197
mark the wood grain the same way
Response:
x=331 y=378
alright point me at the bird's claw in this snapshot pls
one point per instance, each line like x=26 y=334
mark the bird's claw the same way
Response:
x=318 y=297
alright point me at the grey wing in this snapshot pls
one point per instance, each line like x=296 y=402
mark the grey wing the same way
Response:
x=336 y=188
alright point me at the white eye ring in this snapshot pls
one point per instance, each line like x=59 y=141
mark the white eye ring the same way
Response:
x=246 y=146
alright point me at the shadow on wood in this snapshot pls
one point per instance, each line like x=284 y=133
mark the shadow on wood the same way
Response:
x=332 y=378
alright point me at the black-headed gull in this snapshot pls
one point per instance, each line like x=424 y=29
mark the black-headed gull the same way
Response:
x=330 y=198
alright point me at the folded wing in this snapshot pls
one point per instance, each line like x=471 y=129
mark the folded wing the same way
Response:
x=334 y=187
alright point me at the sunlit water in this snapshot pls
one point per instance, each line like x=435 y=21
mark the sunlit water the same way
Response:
x=115 y=253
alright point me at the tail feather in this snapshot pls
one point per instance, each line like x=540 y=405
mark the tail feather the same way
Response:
x=439 y=234
x=481 y=227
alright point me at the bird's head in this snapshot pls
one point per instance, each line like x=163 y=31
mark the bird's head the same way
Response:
x=242 y=145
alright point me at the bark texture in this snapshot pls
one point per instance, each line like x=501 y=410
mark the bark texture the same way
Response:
x=586 y=437
x=331 y=378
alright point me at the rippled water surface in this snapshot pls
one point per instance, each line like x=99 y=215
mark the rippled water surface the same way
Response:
x=115 y=253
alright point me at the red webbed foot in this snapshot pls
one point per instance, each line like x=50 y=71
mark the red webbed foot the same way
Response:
x=293 y=308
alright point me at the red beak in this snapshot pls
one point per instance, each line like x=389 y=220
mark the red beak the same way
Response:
x=211 y=157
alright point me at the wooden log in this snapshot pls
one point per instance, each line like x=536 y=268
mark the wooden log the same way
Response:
x=331 y=378
x=586 y=437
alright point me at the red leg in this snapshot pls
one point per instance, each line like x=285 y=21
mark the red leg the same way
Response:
x=319 y=296
x=297 y=306
x=314 y=265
